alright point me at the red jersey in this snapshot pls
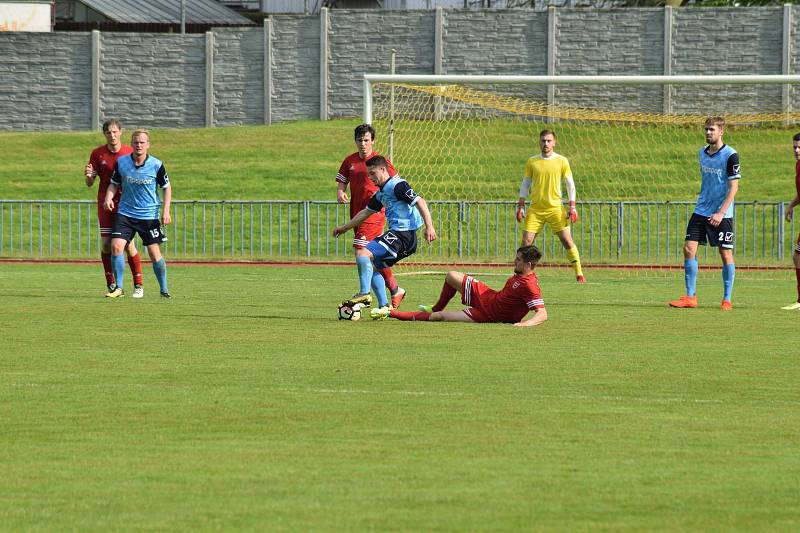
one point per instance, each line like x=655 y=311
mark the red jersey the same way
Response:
x=353 y=171
x=519 y=295
x=103 y=161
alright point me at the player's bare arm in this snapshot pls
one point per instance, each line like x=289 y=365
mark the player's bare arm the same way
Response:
x=166 y=218
x=792 y=205
x=108 y=202
x=430 y=231
x=733 y=188
x=354 y=222
x=537 y=318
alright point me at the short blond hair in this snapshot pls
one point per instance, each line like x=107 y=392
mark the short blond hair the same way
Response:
x=140 y=131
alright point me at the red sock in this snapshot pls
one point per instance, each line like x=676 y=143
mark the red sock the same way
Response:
x=106 y=258
x=447 y=294
x=388 y=277
x=409 y=315
x=136 y=268
x=797 y=274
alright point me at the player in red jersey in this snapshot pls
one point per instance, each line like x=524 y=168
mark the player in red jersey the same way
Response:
x=520 y=295
x=101 y=164
x=353 y=172
x=789 y=215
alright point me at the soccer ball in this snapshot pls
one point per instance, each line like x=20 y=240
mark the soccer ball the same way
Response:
x=348 y=312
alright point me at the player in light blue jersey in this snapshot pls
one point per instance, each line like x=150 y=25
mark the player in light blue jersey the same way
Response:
x=140 y=175
x=406 y=212
x=712 y=220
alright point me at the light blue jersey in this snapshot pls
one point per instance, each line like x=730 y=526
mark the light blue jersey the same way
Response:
x=140 y=186
x=400 y=200
x=715 y=172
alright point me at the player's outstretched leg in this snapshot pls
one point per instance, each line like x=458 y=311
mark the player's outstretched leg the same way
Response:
x=410 y=315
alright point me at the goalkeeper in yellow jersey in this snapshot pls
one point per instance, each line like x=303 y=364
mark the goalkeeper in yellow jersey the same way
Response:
x=543 y=176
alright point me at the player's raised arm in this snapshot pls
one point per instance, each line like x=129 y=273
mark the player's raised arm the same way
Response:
x=360 y=217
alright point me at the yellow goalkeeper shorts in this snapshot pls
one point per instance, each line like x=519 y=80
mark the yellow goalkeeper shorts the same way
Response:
x=555 y=217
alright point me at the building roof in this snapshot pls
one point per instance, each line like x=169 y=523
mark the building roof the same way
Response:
x=166 y=12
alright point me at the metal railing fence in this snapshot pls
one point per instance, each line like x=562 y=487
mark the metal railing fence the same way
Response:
x=608 y=232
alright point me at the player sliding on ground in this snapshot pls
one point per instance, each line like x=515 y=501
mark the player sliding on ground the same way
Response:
x=543 y=175
x=405 y=212
x=520 y=295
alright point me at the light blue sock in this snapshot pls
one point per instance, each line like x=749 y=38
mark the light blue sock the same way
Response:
x=728 y=273
x=379 y=287
x=160 y=268
x=364 y=273
x=690 y=276
x=118 y=267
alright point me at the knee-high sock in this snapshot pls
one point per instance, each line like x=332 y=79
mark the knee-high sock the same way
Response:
x=364 y=273
x=107 y=268
x=728 y=273
x=135 y=263
x=575 y=260
x=409 y=315
x=690 y=276
x=160 y=269
x=379 y=286
x=391 y=283
x=444 y=297
x=118 y=266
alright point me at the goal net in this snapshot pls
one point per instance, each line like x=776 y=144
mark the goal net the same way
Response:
x=632 y=143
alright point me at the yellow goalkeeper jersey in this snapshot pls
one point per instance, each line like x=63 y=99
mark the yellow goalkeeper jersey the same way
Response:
x=546 y=175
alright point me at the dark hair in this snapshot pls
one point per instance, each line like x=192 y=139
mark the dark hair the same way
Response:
x=377 y=161
x=796 y=137
x=111 y=122
x=362 y=129
x=529 y=254
x=548 y=132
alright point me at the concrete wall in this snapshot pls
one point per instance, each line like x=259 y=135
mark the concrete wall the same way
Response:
x=316 y=62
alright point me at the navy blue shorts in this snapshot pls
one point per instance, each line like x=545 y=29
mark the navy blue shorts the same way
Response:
x=390 y=247
x=699 y=229
x=150 y=231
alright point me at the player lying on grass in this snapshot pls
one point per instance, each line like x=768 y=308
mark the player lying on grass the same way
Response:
x=405 y=213
x=520 y=295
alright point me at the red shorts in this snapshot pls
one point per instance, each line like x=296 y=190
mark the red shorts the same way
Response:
x=366 y=232
x=106 y=219
x=471 y=292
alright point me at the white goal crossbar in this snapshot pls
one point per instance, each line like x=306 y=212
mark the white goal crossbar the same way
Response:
x=431 y=79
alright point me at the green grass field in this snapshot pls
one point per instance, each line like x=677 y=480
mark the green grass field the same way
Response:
x=299 y=161
x=243 y=404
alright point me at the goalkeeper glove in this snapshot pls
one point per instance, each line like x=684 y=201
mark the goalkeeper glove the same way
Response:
x=520 y=209
x=573 y=213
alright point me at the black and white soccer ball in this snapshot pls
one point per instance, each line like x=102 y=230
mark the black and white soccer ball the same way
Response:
x=350 y=312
